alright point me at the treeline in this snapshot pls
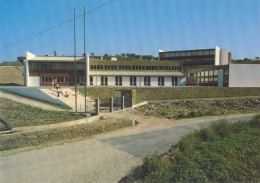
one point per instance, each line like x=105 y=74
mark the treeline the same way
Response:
x=11 y=63
x=129 y=56
x=247 y=59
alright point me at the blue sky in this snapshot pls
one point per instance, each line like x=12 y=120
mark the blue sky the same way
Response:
x=130 y=26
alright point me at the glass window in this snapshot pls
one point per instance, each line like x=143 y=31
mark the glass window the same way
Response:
x=206 y=52
x=91 y=80
x=174 y=81
x=103 y=80
x=118 y=80
x=177 y=54
x=167 y=54
x=188 y=53
x=172 y=54
x=212 y=52
x=133 y=81
x=183 y=54
x=147 y=81
x=160 y=81
x=194 y=53
x=200 y=53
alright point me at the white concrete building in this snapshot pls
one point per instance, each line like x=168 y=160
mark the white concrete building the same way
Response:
x=42 y=70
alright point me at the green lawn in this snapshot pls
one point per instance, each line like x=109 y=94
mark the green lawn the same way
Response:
x=18 y=115
x=223 y=152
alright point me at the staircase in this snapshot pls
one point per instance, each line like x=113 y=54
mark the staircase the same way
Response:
x=70 y=99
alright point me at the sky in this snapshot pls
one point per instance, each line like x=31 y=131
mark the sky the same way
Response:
x=130 y=26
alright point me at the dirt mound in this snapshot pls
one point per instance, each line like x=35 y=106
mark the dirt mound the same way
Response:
x=11 y=75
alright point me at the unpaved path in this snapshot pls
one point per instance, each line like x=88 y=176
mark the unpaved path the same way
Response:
x=28 y=101
x=105 y=157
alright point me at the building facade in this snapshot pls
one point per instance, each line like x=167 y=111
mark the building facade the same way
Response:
x=197 y=58
x=41 y=70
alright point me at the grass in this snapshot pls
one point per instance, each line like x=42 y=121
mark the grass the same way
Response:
x=19 y=115
x=41 y=101
x=60 y=135
x=197 y=108
x=223 y=152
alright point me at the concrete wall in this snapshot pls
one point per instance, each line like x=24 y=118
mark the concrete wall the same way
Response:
x=34 y=81
x=217 y=55
x=223 y=57
x=244 y=75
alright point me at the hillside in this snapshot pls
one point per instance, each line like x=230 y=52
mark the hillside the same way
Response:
x=11 y=75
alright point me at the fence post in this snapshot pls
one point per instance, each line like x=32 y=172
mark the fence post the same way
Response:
x=123 y=102
x=97 y=106
x=111 y=104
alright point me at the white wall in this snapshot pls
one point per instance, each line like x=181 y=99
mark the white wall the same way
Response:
x=125 y=81
x=34 y=81
x=223 y=57
x=244 y=75
x=111 y=81
x=217 y=55
x=154 y=81
x=167 y=81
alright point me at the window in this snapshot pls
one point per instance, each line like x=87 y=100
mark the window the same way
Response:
x=183 y=54
x=206 y=52
x=188 y=53
x=174 y=81
x=147 y=81
x=160 y=81
x=91 y=80
x=200 y=53
x=172 y=54
x=194 y=53
x=118 y=80
x=60 y=79
x=212 y=52
x=133 y=81
x=177 y=54
x=167 y=54
x=103 y=80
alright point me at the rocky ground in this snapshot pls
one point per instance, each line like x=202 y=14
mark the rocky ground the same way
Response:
x=197 y=108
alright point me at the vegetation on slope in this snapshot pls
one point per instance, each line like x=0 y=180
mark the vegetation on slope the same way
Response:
x=61 y=135
x=17 y=114
x=197 y=108
x=223 y=152
x=11 y=63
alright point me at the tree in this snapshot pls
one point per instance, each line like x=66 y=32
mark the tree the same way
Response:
x=92 y=55
x=105 y=55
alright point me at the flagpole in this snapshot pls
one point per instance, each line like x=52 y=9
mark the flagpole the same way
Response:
x=75 y=64
x=85 y=61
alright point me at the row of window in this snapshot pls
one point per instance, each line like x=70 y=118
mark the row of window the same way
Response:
x=147 y=81
x=104 y=80
x=129 y=67
x=187 y=53
x=70 y=66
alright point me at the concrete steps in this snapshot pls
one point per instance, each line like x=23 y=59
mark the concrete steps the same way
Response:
x=70 y=100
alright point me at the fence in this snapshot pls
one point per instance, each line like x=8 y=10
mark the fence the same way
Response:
x=115 y=103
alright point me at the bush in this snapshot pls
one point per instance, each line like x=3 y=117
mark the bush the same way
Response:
x=223 y=152
x=60 y=134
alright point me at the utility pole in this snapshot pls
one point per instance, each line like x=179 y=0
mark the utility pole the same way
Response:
x=85 y=61
x=75 y=64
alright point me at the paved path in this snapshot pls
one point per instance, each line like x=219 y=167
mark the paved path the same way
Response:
x=28 y=101
x=105 y=157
